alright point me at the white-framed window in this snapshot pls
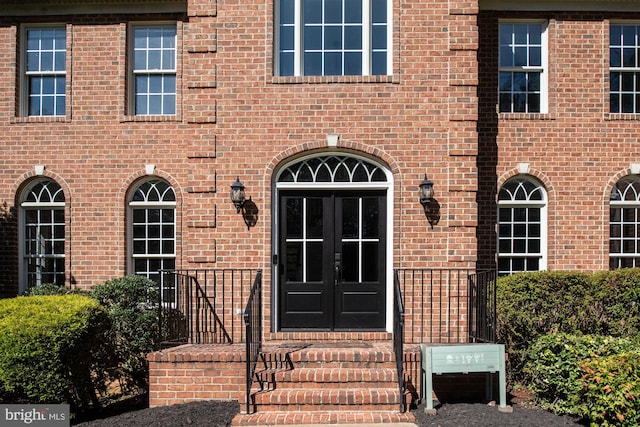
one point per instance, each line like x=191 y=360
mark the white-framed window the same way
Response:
x=522 y=223
x=624 y=224
x=42 y=243
x=152 y=227
x=44 y=69
x=153 y=69
x=333 y=37
x=624 y=68
x=523 y=53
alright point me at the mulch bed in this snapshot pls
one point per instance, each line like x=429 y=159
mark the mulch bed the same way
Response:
x=218 y=414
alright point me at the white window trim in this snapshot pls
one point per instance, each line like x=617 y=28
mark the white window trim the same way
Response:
x=623 y=69
x=132 y=72
x=366 y=39
x=23 y=109
x=544 y=67
x=543 y=205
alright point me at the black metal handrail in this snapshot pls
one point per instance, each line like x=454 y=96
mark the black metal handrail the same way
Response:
x=398 y=337
x=253 y=325
x=482 y=306
x=187 y=314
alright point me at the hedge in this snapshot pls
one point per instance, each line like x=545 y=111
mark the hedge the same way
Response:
x=530 y=305
x=51 y=350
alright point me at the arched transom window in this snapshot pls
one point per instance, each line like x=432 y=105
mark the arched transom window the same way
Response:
x=521 y=226
x=334 y=168
x=153 y=229
x=624 y=224
x=43 y=234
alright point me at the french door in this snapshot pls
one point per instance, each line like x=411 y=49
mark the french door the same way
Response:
x=331 y=259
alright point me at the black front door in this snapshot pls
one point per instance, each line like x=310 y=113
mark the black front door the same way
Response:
x=332 y=260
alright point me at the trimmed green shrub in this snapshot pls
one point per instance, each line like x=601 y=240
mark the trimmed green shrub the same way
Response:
x=533 y=304
x=615 y=302
x=47 y=289
x=611 y=392
x=553 y=372
x=131 y=303
x=51 y=349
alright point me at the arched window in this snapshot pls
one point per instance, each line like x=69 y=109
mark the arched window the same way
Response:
x=624 y=224
x=42 y=234
x=152 y=225
x=521 y=226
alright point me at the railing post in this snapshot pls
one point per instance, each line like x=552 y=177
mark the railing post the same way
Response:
x=398 y=337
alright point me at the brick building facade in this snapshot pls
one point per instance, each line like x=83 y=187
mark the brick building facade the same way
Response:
x=124 y=124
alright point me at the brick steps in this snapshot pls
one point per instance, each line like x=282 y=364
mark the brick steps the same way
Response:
x=322 y=418
x=326 y=384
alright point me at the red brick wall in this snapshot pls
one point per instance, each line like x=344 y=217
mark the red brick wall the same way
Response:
x=179 y=376
x=577 y=150
x=236 y=119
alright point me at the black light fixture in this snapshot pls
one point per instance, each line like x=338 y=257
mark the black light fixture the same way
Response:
x=426 y=191
x=237 y=194
x=429 y=203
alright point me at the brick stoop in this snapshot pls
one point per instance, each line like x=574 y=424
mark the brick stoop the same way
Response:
x=326 y=383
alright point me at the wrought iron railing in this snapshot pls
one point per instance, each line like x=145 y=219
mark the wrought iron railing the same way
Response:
x=482 y=307
x=187 y=314
x=444 y=306
x=253 y=325
x=398 y=337
x=197 y=306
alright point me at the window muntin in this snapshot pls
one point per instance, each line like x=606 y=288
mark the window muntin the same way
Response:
x=153 y=66
x=521 y=227
x=624 y=68
x=624 y=224
x=522 y=78
x=43 y=234
x=45 y=58
x=333 y=37
x=152 y=222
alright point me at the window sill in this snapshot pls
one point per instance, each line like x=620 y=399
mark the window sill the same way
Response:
x=525 y=116
x=333 y=79
x=621 y=116
x=151 y=118
x=41 y=119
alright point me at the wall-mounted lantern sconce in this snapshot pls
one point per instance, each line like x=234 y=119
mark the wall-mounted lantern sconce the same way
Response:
x=237 y=194
x=429 y=203
x=426 y=191
x=246 y=206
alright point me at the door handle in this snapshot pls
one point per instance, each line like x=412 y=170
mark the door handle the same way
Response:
x=338 y=268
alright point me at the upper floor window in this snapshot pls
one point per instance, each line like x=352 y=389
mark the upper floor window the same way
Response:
x=522 y=82
x=624 y=68
x=521 y=226
x=153 y=68
x=624 y=224
x=333 y=37
x=43 y=234
x=44 y=71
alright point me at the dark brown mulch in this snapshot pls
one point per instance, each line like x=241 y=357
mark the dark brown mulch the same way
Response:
x=217 y=414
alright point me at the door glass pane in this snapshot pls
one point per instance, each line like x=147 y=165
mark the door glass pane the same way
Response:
x=350 y=257
x=294 y=262
x=350 y=218
x=370 y=218
x=294 y=218
x=314 y=262
x=314 y=218
x=370 y=262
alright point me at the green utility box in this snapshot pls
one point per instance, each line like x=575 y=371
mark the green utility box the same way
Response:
x=463 y=359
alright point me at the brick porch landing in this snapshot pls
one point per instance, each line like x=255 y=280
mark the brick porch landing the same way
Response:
x=316 y=383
